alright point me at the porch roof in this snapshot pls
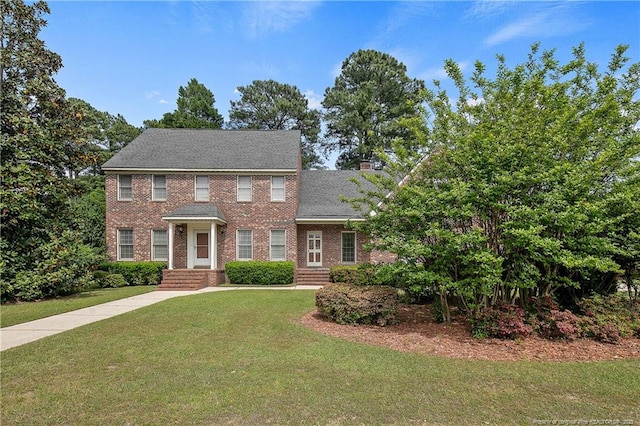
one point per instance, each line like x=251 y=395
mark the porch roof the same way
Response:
x=195 y=212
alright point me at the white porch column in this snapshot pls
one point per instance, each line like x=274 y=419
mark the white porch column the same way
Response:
x=214 y=246
x=170 y=245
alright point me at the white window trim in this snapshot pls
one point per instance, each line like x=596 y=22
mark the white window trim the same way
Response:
x=238 y=244
x=284 y=189
x=250 y=189
x=153 y=257
x=355 y=248
x=153 y=188
x=195 y=188
x=120 y=198
x=133 y=245
x=271 y=245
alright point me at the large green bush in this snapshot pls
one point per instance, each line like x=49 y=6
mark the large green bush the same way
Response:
x=260 y=273
x=351 y=304
x=135 y=273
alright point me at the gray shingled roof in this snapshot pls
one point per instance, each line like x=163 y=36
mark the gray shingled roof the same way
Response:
x=321 y=190
x=204 y=149
x=193 y=211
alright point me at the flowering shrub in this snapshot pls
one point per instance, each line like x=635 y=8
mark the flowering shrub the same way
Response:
x=560 y=325
x=350 y=304
x=502 y=321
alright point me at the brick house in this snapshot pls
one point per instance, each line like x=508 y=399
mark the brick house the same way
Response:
x=200 y=198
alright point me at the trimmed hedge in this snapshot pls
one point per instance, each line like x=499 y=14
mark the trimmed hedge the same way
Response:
x=351 y=304
x=134 y=273
x=255 y=272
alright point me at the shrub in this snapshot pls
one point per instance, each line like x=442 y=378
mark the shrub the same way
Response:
x=260 y=273
x=350 y=304
x=136 y=273
x=501 y=321
x=610 y=311
x=346 y=274
x=560 y=325
x=114 y=281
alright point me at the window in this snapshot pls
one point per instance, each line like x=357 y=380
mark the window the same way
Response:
x=160 y=244
x=202 y=188
x=244 y=188
x=159 y=187
x=278 y=246
x=277 y=188
x=245 y=244
x=348 y=247
x=125 y=191
x=125 y=244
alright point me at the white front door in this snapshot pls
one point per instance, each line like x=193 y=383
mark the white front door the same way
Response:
x=314 y=248
x=200 y=247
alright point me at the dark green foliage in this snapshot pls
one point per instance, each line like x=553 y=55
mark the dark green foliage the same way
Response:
x=195 y=110
x=136 y=273
x=605 y=313
x=370 y=94
x=64 y=268
x=88 y=211
x=347 y=274
x=350 y=304
x=528 y=187
x=260 y=273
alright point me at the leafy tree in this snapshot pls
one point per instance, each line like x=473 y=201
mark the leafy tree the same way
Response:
x=196 y=110
x=529 y=186
x=105 y=134
x=269 y=105
x=371 y=93
x=40 y=141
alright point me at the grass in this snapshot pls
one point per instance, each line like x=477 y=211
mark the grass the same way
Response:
x=17 y=313
x=241 y=357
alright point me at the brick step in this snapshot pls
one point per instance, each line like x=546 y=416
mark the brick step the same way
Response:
x=183 y=280
x=313 y=276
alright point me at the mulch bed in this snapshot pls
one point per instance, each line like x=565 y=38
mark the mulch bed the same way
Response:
x=418 y=333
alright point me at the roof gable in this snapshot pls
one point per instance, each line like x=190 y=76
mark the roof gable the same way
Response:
x=209 y=150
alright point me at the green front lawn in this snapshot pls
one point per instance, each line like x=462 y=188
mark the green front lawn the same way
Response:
x=17 y=313
x=241 y=357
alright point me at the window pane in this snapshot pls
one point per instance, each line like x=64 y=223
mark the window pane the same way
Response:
x=278 y=244
x=348 y=247
x=244 y=188
x=202 y=188
x=124 y=187
x=277 y=188
x=244 y=244
x=159 y=187
x=125 y=244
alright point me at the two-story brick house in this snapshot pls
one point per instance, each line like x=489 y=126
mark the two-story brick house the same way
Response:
x=200 y=198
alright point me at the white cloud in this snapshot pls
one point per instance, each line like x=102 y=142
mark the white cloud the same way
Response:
x=163 y=101
x=482 y=9
x=315 y=100
x=151 y=95
x=554 y=21
x=275 y=16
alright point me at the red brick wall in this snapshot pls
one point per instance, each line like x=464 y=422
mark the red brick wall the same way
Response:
x=331 y=245
x=261 y=215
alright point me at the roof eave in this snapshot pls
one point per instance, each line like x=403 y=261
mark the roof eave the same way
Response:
x=213 y=171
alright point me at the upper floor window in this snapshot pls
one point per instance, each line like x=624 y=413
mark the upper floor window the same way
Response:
x=244 y=188
x=202 y=188
x=159 y=244
x=125 y=190
x=278 y=244
x=348 y=247
x=125 y=244
x=159 y=187
x=245 y=244
x=277 y=188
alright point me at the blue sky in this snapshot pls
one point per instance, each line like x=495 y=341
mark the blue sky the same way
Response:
x=130 y=57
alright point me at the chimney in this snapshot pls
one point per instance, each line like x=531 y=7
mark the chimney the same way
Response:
x=365 y=165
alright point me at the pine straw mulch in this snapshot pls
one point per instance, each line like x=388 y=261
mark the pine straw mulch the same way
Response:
x=418 y=333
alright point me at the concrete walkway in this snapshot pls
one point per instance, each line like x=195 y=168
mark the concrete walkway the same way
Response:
x=20 y=334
